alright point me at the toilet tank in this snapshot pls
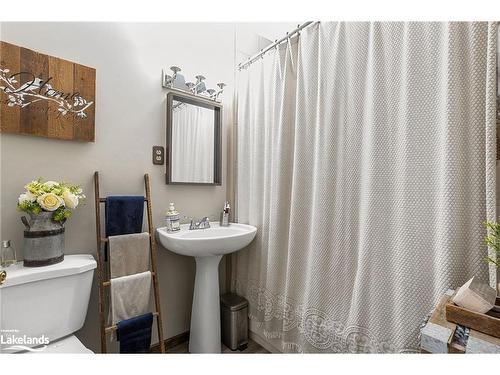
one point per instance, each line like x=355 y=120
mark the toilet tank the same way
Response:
x=50 y=301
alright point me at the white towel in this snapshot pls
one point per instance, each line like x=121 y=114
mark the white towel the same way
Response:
x=128 y=254
x=130 y=296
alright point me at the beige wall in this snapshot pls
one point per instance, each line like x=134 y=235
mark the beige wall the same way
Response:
x=130 y=119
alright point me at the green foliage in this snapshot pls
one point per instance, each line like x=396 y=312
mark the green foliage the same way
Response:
x=28 y=206
x=61 y=214
x=36 y=186
x=493 y=241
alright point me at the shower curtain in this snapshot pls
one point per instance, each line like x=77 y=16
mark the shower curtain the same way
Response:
x=366 y=159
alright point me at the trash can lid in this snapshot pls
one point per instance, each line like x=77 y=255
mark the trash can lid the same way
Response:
x=233 y=301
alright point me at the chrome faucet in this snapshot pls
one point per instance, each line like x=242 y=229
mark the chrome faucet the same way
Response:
x=202 y=224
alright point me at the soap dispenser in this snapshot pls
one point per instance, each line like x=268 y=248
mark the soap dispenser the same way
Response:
x=224 y=215
x=172 y=219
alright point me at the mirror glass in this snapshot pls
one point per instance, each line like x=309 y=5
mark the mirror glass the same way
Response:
x=194 y=141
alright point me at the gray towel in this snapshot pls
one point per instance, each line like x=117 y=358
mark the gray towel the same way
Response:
x=129 y=254
x=130 y=296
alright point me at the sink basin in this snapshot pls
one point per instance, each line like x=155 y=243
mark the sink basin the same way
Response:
x=215 y=240
x=207 y=246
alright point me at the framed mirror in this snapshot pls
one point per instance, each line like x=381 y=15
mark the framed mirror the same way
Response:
x=193 y=140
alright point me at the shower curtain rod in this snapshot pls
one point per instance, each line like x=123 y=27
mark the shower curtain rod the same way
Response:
x=253 y=58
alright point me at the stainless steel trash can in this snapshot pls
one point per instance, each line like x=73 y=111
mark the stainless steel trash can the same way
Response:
x=234 y=320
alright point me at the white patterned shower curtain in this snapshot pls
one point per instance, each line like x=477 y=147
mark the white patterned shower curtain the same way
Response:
x=366 y=158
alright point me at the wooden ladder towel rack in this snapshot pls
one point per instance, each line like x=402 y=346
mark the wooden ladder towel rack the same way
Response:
x=103 y=271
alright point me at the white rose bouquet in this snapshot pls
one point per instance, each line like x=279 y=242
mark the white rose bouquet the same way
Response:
x=57 y=197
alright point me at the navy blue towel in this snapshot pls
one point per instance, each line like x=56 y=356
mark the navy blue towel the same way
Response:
x=124 y=215
x=134 y=334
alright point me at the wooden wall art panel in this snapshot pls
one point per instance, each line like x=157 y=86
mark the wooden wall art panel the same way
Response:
x=45 y=96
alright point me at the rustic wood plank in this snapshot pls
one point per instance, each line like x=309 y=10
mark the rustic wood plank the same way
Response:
x=153 y=254
x=84 y=84
x=433 y=340
x=488 y=323
x=10 y=58
x=52 y=90
x=34 y=117
x=62 y=72
x=439 y=317
x=100 y=267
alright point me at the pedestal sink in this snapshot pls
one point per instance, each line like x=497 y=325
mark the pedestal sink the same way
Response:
x=207 y=246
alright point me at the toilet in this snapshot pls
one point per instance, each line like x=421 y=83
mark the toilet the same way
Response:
x=41 y=307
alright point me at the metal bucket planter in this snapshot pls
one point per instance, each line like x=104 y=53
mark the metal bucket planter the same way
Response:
x=43 y=240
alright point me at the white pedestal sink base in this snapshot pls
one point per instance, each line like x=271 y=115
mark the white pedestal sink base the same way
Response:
x=207 y=246
x=205 y=336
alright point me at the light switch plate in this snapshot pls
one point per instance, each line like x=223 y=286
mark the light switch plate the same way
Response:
x=158 y=155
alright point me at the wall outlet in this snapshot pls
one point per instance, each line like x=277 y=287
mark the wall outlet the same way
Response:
x=158 y=155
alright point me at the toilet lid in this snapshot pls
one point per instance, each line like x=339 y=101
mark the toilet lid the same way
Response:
x=69 y=344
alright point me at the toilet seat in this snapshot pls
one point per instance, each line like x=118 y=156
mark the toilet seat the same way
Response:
x=68 y=344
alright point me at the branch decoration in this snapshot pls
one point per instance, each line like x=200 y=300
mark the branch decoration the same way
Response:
x=36 y=89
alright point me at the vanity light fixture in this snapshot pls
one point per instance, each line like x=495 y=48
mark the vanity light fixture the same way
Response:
x=176 y=81
x=211 y=93
x=200 y=85
x=221 y=89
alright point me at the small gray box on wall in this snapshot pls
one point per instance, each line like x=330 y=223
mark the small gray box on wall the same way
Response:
x=234 y=321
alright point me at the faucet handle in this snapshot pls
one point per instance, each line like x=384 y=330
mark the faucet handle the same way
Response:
x=204 y=223
x=190 y=220
x=192 y=224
